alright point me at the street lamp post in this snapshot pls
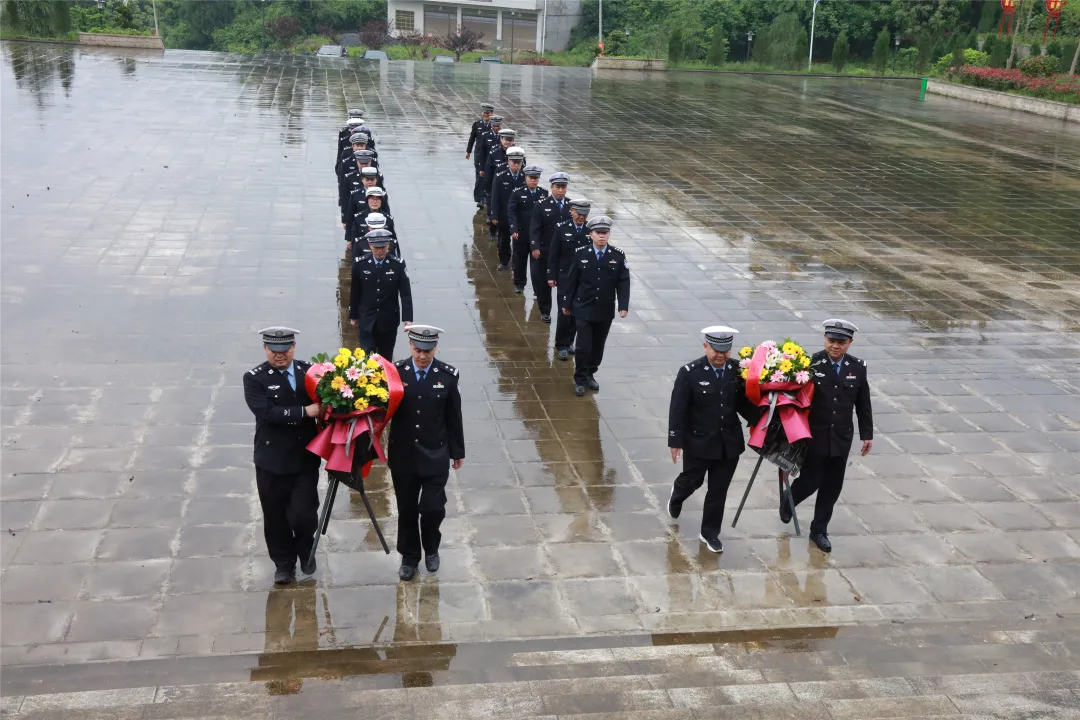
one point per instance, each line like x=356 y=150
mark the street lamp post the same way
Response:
x=896 y=51
x=512 y=14
x=627 y=48
x=600 y=25
x=749 y=39
x=101 y=9
x=813 y=20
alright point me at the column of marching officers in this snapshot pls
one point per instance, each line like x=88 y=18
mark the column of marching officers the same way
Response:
x=549 y=239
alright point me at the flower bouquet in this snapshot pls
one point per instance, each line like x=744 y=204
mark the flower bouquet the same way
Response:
x=778 y=377
x=359 y=395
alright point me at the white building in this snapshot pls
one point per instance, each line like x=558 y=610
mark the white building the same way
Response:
x=541 y=25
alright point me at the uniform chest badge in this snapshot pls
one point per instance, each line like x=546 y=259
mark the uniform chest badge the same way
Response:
x=704 y=382
x=367 y=272
x=438 y=386
x=389 y=272
x=819 y=374
x=273 y=387
x=613 y=262
x=850 y=377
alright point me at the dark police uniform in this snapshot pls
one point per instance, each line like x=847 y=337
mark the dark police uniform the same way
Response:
x=360 y=228
x=565 y=241
x=703 y=421
x=836 y=393
x=520 y=209
x=493 y=165
x=546 y=215
x=373 y=301
x=501 y=190
x=357 y=206
x=425 y=435
x=287 y=475
x=593 y=288
x=487 y=141
x=476 y=139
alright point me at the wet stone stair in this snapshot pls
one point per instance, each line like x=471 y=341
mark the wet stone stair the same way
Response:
x=1023 y=670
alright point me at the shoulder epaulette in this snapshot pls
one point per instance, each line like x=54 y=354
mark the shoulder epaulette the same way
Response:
x=583 y=247
x=257 y=368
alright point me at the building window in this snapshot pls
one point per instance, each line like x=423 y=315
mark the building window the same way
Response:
x=405 y=20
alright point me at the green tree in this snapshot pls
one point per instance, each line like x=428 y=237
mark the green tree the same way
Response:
x=1035 y=50
x=926 y=51
x=959 y=45
x=675 y=46
x=203 y=18
x=718 y=47
x=785 y=45
x=972 y=39
x=840 y=51
x=989 y=16
x=881 y=51
x=37 y=18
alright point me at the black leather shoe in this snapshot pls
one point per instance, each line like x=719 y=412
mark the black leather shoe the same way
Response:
x=308 y=568
x=785 y=507
x=519 y=289
x=432 y=563
x=284 y=577
x=821 y=540
x=714 y=545
x=572 y=349
x=501 y=267
x=579 y=390
x=674 y=509
x=563 y=355
x=591 y=383
x=545 y=319
x=406 y=572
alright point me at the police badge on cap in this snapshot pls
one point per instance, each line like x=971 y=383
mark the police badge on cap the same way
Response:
x=278 y=339
x=838 y=329
x=423 y=337
x=719 y=337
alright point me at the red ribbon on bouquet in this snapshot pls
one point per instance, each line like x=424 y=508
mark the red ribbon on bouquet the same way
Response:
x=792 y=402
x=336 y=442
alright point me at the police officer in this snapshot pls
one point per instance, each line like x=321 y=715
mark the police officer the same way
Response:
x=286 y=474
x=370 y=220
x=546 y=215
x=427 y=438
x=489 y=139
x=506 y=181
x=360 y=205
x=354 y=123
x=479 y=127
x=703 y=426
x=569 y=235
x=379 y=280
x=840 y=386
x=358 y=142
x=599 y=280
x=496 y=158
x=352 y=183
x=523 y=202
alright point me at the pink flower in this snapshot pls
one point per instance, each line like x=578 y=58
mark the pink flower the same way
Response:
x=326 y=367
x=352 y=373
x=769 y=344
x=346 y=391
x=802 y=377
x=744 y=363
x=777 y=377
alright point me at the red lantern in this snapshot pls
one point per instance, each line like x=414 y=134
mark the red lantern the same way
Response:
x=1053 y=11
x=1008 y=8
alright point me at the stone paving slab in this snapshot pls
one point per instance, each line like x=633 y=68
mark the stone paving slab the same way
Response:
x=144 y=257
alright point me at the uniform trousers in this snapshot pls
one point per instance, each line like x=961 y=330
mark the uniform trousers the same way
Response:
x=520 y=249
x=565 y=325
x=825 y=475
x=290 y=504
x=421 y=501
x=591 y=338
x=503 y=231
x=478 y=184
x=379 y=340
x=542 y=291
x=720 y=472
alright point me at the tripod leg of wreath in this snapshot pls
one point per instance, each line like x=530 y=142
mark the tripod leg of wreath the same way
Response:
x=324 y=513
x=746 y=494
x=785 y=485
x=358 y=480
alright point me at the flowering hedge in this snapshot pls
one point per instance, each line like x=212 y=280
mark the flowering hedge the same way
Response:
x=1062 y=88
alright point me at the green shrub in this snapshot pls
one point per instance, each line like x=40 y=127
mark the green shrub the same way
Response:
x=907 y=60
x=1068 y=50
x=841 y=51
x=718 y=47
x=1040 y=66
x=959 y=46
x=786 y=42
x=675 y=46
x=926 y=50
x=1035 y=50
x=971 y=57
x=972 y=39
x=881 y=51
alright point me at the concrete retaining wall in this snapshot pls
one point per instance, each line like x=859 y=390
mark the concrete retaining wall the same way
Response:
x=606 y=63
x=1047 y=108
x=147 y=42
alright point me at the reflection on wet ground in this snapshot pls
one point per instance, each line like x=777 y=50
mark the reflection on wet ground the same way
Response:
x=141 y=255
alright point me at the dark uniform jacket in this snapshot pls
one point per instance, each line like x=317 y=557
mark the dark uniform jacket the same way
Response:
x=495 y=164
x=427 y=431
x=522 y=205
x=360 y=226
x=356 y=205
x=479 y=127
x=346 y=160
x=835 y=396
x=484 y=146
x=703 y=416
x=501 y=189
x=545 y=216
x=565 y=241
x=282 y=431
x=594 y=286
x=375 y=290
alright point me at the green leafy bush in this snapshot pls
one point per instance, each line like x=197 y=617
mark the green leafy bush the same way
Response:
x=971 y=57
x=675 y=46
x=841 y=51
x=907 y=60
x=881 y=51
x=1040 y=66
x=718 y=47
x=1068 y=50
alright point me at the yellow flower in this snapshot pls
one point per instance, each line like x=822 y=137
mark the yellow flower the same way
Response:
x=804 y=362
x=789 y=348
x=371 y=390
x=746 y=352
x=744 y=373
x=359 y=353
x=361 y=381
x=341 y=361
x=337 y=383
x=345 y=351
x=372 y=364
x=786 y=366
x=360 y=404
x=764 y=373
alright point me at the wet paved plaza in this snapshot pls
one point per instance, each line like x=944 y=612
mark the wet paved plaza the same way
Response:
x=158 y=210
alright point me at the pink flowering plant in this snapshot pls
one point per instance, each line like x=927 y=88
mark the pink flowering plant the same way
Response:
x=1062 y=88
x=786 y=363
